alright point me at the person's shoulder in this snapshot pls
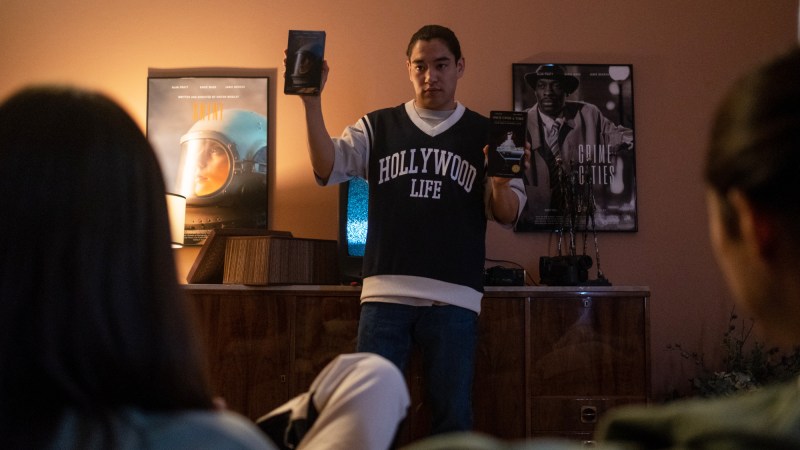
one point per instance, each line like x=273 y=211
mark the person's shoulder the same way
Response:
x=767 y=413
x=134 y=428
x=475 y=116
x=223 y=430
x=473 y=113
x=389 y=111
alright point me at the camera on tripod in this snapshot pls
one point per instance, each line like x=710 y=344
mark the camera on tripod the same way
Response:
x=564 y=270
x=576 y=204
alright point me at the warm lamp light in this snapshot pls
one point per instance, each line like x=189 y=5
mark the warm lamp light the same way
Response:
x=176 y=209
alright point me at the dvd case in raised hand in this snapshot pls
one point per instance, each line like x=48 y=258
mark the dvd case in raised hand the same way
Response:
x=507 y=143
x=304 y=55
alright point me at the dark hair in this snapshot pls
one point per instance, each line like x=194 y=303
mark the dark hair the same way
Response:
x=755 y=141
x=430 y=32
x=91 y=316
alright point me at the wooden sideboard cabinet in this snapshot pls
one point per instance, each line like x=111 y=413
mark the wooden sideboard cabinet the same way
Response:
x=550 y=360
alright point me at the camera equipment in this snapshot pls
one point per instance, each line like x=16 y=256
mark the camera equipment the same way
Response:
x=573 y=269
x=564 y=270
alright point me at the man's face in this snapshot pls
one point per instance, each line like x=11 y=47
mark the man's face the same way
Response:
x=550 y=96
x=434 y=72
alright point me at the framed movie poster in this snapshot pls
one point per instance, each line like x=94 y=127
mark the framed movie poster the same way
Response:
x=209 y=129
x=582 y=173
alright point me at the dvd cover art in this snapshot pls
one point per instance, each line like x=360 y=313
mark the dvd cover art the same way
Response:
x=507 y=143
x=210 y=135
x=304 y=55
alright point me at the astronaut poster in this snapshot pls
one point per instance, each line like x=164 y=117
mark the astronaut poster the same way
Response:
x=210 y=134
x=582 y=170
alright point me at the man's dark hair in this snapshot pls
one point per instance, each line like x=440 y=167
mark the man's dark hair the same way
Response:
x=430 y=32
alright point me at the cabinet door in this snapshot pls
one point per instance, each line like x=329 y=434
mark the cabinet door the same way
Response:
x=324 y=327
x=589 y=346
x=246 y=338
x=499 y=391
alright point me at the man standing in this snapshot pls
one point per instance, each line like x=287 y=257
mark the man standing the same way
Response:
x=564 y=134
x=429 y=199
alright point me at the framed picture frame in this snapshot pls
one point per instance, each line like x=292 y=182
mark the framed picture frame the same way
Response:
x=210 y=130
x=582 y=173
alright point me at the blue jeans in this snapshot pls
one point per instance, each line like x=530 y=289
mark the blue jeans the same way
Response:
x=446 y=336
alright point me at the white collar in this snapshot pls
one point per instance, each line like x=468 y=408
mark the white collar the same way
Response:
x=414 y=115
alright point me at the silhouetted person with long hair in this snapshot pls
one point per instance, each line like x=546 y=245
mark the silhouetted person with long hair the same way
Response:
x=97 y=345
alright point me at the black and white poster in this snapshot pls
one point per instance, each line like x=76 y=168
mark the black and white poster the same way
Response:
x=210 y=135
x=582 y=173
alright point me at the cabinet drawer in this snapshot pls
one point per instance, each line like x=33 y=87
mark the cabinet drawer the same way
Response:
x=558 y=415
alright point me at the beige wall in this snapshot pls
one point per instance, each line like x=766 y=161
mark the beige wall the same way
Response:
x=684 y=53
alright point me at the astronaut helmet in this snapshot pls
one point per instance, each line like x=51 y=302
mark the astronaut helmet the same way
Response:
x=223 y=160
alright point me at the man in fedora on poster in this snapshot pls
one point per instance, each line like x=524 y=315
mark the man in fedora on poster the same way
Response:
x=564 y=134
